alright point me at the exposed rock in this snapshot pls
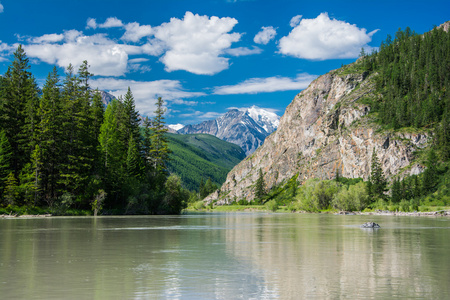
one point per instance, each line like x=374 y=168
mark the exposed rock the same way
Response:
x=245 y=128
x=325 y=130
x=370 y=225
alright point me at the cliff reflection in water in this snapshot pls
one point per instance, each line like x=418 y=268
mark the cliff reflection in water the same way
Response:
x=304 y=256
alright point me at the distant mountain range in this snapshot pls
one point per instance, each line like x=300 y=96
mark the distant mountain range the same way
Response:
x=247 y=128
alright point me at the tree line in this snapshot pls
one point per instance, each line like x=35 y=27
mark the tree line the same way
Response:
x=412 y=83
x=60 y=148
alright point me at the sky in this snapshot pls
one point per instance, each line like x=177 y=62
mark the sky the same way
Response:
x=204 y=57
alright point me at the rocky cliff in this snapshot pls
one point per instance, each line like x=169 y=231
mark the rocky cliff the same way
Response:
x=326 y=129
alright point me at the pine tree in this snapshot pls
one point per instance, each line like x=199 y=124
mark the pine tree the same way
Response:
x=5 y=160
x=131 y=120
x=11 y=191
x=431 y=173
x=19 y=101
x=160 y=151
x=133 y=159
x=260 y=186
x=50 y=137
x=396 y=193
x=377 y=179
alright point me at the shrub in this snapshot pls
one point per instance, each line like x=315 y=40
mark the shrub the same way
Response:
x=271 y=205
x=351 y=198
x=199 y=205
x=317 y=194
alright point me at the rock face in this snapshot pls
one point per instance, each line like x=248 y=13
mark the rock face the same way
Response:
x=325 y=130
x=246 y=128
x=370 y=225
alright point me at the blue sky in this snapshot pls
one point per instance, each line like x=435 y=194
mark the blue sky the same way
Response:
x=205 y=56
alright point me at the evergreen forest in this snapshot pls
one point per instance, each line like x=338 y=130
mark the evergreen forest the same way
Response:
x=60 y=148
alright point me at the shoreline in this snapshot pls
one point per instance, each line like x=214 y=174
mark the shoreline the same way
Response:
x=438 y=213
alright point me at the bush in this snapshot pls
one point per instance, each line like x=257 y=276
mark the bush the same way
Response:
x=317 y=194
x=351 y=198
x=271 y=205
x=199 y=205
x=404 y=206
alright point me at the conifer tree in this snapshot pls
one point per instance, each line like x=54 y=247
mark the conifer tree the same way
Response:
x=18 y=109
x=5 y=160
x=159 y=146
x=50 y=137
x=378 y=183
x=260 y=186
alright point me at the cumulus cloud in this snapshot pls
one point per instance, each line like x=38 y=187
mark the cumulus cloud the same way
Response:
x=265 y=35
x=106 y=57
x=324 y=38
x=146 y=92
x=196 y=43
x=48 y=38
x=111 y=22
x=242 y=51
x=1 y=8
x=295 y=20
x=266 y=85
x=91 y=23
x=198 y=116
x=6 y=50
x=135 y=32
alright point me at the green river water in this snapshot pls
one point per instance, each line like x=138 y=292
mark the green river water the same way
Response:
x=225 y=256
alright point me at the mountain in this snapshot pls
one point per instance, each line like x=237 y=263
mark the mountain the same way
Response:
x=247 y=128
x=197 y=156
x=335 y=125
x=106 y=97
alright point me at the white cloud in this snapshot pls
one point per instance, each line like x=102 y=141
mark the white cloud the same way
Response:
x=295 y=20
x=196 y=43
x=324 y=38
x=91 y=23
x=198 y=116
x=111 y=22
x=145 y=92
x=48 y=38
x=266 y=85
x=265 y=35
x=105 y=57
x=1 y=8
x=135 y=32
x=242 y=51
x=6 y=50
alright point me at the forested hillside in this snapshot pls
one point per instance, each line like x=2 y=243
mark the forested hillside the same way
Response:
x=199 y=157
x=60 y=149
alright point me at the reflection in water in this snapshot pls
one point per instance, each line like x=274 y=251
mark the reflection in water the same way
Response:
x=224 y=256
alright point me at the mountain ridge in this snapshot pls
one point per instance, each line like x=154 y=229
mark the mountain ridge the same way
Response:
x=247 y=128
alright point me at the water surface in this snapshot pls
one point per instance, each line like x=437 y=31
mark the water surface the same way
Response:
x=225 y=256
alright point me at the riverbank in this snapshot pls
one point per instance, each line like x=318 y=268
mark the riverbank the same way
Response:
x=427 y=211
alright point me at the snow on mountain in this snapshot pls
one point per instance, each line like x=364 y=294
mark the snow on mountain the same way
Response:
x=264 y=118
x=175 y=127
x=247 y=127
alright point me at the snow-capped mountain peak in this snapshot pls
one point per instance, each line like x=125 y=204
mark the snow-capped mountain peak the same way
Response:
x=175 y=127
x=265 y=118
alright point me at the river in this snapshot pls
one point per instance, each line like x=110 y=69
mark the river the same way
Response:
x=225 y=256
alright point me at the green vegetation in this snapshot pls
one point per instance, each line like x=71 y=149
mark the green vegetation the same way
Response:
x=197 y=158
x=60 y=151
